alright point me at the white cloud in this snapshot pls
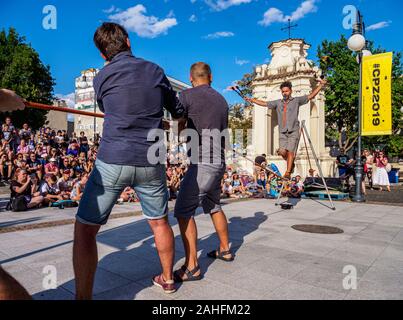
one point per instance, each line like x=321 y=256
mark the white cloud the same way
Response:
x=193 y=18
x=220 y=34
x=379 y=25
x=69 y=98
x=220 y=5
x=275 y=15
x=240 y=62
x=110 y=10
x=135 y=20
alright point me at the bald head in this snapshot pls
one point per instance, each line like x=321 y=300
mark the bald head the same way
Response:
x=200 y=73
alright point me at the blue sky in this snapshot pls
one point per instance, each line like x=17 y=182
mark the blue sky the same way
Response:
x=231 y=35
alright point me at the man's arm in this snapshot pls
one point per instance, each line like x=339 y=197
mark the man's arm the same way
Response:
x=10 y=101
x=322 y=83
x=261 y=103
x=171 y=101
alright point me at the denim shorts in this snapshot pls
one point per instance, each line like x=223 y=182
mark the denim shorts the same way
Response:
x=107 y=182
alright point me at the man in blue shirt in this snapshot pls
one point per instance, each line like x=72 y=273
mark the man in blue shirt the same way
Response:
x=132 y=93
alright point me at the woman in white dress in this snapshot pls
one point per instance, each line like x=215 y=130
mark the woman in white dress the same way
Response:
x=380 y=177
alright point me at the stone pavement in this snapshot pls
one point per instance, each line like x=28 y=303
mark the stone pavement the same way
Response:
x=273 y=261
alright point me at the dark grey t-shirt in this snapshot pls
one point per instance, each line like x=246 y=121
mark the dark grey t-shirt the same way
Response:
x=293 y=105
x=207 y=112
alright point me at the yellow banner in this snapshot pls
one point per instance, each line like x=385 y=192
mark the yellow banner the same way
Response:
x=376 y=88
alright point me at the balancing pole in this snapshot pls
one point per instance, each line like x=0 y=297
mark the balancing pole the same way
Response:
x=40 y=106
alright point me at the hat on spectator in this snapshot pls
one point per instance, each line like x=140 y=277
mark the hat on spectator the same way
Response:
x=52 y=160
x=66 y=171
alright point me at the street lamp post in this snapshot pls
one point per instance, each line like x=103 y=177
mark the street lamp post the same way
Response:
x=357 y=43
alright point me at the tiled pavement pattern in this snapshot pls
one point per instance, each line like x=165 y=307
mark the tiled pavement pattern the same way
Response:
x=273 y=261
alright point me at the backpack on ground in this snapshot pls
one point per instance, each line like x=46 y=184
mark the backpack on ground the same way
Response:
x=19 y=204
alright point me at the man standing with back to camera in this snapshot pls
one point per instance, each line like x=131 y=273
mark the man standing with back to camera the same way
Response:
x=206 y=112
x=131 y=92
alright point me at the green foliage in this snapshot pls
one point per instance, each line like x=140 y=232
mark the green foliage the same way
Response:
x=240 y=115
x=245 y=84
x=22 y=71
x=340 y=67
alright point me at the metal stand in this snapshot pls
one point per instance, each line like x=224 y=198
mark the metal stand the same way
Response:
x=304 y=134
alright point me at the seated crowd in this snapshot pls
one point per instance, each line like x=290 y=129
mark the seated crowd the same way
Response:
x=46 y=166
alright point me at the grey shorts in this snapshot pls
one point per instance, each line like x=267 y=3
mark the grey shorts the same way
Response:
x=200 y=187
x=289 y=140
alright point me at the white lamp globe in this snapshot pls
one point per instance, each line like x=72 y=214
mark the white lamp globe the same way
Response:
x=365 y=53
x=356 y=42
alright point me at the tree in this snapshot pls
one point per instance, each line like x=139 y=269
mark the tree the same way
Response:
x=22 y=70
x=240 y=116
x=340 y=67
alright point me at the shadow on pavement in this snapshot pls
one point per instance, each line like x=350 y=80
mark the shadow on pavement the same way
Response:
x=15 y=222
x=137 y=259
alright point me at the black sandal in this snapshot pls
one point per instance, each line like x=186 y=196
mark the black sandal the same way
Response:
x=190 y=275
x=216 y=254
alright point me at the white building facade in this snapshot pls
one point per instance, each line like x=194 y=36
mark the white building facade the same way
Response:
x=289 y=63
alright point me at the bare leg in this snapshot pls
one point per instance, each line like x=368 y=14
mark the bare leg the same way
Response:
x=85 y=259
x=10 y=289
x=221 y=226
x=290 y=161
x=189 y=237
x=164 y=241
x=35 y=201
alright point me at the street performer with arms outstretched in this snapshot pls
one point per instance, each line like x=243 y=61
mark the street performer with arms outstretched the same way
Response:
x=287 y=112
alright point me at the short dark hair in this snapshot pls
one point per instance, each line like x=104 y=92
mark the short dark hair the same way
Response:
x=200 y=70
x=286 y=84
x=111 y=39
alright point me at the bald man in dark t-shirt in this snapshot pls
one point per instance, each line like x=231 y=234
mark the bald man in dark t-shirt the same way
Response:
x=205 y=111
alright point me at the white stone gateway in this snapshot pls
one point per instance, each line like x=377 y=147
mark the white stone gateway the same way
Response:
x=289 y=63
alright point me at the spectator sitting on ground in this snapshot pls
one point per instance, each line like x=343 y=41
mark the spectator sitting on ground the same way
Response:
x=25 y=132
x=78 y=188
x=65 y=183
x=128 y=195
x=49 y=190
x=73 y=149
x=261 y=181
x=7 y=134
x=20 y=162
x=34 y=166
x=26 y=186
x=64 y=165
x=344 y=163
x=227 y=190
x=59 y=138
x=23 y=148
x=51 y=167
x=260 y=161
x=238 y=188
x=6 y=167
x=296 y=187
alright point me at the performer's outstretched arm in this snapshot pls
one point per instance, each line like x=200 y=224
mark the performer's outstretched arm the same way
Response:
x=322 y=83
x=256 y=101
